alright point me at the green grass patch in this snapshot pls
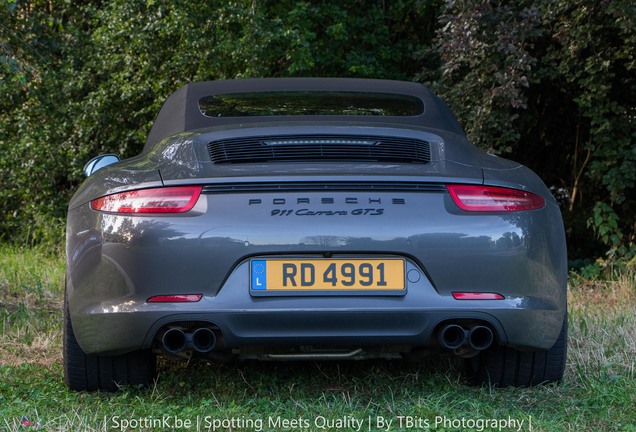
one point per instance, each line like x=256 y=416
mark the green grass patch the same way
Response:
x=598 y=393
x=31 y=289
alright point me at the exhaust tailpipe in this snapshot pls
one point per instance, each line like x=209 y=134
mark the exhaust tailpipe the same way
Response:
x=451 y=336
x=203 y=340
x=174 y=340
x=480 y=338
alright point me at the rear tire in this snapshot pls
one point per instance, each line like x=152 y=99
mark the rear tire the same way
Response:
x=504 y=367
x=90 y=372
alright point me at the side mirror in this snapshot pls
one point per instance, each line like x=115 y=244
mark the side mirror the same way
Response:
x=99 y=162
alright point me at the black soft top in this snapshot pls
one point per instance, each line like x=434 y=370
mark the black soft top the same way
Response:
x=181 y=111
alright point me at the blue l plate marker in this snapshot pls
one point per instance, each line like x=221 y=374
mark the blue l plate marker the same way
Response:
x=259 y=275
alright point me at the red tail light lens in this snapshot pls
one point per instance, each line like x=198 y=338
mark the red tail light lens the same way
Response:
x=474 y=198
x=179 y=199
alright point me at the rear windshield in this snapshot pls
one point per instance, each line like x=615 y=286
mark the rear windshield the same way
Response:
x=310 y=103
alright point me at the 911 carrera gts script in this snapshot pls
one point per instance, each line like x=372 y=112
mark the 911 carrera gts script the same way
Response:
x=372 y=202
x=307 y=212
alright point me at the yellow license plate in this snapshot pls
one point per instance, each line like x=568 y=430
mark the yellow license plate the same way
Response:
x=327 y=275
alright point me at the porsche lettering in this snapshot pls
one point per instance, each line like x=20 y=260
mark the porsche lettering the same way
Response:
x=325 y=201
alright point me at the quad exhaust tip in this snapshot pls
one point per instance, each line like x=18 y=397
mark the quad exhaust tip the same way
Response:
x=450 y=336
x=454 y=336
x=175 y=340
x=203 y=340
x=480 y=338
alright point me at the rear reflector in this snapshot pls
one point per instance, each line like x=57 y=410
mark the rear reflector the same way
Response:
x=476 y=198
x=176 y=298
x=477 y=296
x=179 y=199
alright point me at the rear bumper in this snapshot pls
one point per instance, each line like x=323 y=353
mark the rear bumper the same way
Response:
x=244 y=320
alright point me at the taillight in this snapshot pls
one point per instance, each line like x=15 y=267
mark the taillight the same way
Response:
x=476 y=198
x=178 y=199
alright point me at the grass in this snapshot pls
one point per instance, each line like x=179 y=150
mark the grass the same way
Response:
x=598 y=393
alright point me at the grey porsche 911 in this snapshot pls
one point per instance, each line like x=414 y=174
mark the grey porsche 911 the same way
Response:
x=312 y=218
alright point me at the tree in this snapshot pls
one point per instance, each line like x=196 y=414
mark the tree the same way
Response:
x=551 y=84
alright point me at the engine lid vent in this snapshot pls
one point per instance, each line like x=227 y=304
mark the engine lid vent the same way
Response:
x=327 y=148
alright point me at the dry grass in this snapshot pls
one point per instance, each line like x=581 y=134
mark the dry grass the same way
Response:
x=43 y=349
x=601 y=296
x=603 y=327
x=31 y=285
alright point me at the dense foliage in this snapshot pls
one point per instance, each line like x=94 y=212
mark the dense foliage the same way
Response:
x=552 y=84
x=549 y=84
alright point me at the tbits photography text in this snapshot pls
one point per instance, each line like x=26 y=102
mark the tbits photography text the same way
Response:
x=318 y=423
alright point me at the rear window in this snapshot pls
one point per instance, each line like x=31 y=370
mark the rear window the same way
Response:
x=310 y=103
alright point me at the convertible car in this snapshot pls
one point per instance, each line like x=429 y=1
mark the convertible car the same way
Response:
x=311 y=219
